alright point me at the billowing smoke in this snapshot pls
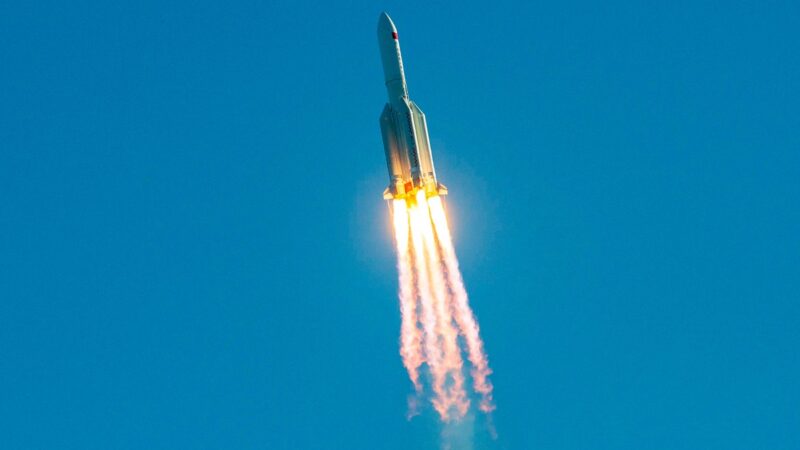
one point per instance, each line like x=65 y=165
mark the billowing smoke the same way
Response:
x=435 y=312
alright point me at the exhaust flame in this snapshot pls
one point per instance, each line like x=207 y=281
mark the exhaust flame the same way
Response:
x=464 y=316
x=410 y=334
x=432 y=293
x=433 y=351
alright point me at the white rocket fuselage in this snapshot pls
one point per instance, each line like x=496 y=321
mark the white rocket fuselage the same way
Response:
x=403 y=126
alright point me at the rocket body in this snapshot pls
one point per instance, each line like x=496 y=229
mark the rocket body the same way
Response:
x=403 y=126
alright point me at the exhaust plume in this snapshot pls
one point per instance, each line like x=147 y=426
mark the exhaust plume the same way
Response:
x=432 y=293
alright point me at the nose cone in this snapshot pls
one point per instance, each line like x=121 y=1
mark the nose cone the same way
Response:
x=385 y=26
x=390 y=56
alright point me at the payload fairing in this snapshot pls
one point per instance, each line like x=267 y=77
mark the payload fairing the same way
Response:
x=403 y=126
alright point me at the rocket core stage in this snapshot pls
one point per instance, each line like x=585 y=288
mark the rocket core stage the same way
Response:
x=403 y=126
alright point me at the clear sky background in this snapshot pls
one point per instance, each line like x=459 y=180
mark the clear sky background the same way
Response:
x=194 y=252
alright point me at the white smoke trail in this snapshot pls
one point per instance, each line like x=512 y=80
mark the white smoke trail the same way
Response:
x=463 y=313
x=410 y=337
x=452 y=361
x=459 y=435
x=433 y=351
x=430 y=280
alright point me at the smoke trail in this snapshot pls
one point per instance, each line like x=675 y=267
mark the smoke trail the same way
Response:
x=464 y=317
x=459 y=435
x=433 y=352
x=410 y=349
x=452 y=362
x=430 y=280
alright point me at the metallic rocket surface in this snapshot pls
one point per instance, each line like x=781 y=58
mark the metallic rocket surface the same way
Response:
x=403 y=126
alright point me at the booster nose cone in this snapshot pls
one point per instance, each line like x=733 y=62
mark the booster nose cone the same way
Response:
x=391 y=58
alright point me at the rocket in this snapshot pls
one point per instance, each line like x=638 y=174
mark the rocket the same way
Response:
x=403 y=126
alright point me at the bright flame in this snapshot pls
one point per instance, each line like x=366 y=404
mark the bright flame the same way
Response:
x=410 y=334
x=447 y=332
x=464 y=316
x=429 y=278
x=433 y=350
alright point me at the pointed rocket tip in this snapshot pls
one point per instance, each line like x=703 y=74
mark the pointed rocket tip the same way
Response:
x=385 y=23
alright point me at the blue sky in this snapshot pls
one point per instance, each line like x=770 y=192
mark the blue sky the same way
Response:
x=194 y=252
